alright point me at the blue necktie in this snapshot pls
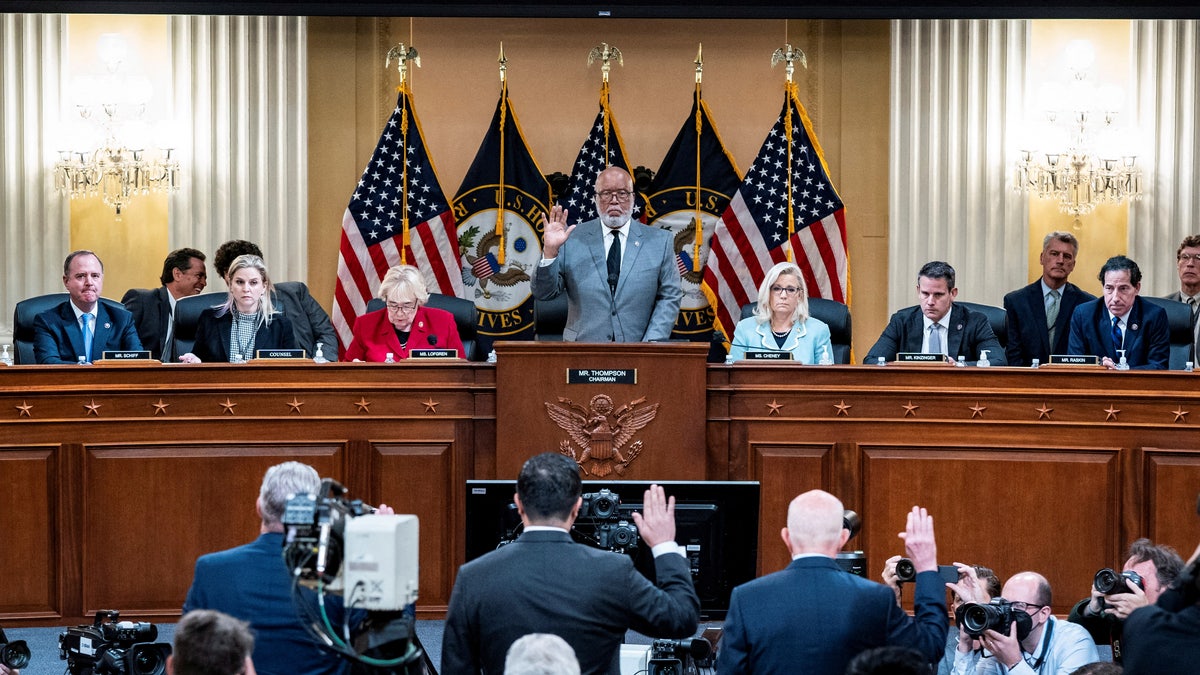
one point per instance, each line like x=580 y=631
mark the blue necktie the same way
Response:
x=87 y=337
x=1116 y=333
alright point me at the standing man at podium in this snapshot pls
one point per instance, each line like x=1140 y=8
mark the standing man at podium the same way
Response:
x=619 y=275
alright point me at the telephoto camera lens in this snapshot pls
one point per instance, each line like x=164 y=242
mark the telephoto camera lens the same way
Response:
x=905 y=570
x=1111 y=582
x=14 y=654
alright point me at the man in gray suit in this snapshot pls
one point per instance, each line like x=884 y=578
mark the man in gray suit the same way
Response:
x=544 y=582
x=619 y=275
x=1188 y=261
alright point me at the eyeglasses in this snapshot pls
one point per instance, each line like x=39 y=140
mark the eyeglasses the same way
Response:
x=407 y=307
x=787 y=291
x=1184 y=257
x=1026 y=606
x=610 y=195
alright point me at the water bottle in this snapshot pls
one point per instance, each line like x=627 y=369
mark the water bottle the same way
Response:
x=236 y=358
x=319 y=357
x=82 y=361
x=983 y=359
x=6 y=356
x=881 y=362
x=1035 y=363
x=1122 y=364
x=1188 y=367
x=961 y=362
x=390 y=358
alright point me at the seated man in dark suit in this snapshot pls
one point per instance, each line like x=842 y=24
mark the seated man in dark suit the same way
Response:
x=309 y=321
x=937 y=325
x=544 y=582
x=813 y=617
x=154 y=309
x=1165 y=637
x=1039 y=315
x=252 y=583
x=82 y=328
x=208 y=642
x=1121 y=320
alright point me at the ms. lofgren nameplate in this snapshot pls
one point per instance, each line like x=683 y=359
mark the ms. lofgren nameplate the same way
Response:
x=602 y=376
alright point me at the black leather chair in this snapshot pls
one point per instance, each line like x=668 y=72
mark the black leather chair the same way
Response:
x=835 y=314
x=996 y=316
x=1179 y=322
x=466 y=319
x=187 y=315
x=550 y=318
x=24 y=314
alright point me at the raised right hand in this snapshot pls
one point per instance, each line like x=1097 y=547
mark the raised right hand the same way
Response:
x=555 y=231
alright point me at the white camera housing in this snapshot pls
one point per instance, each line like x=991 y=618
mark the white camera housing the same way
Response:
x=380 y=569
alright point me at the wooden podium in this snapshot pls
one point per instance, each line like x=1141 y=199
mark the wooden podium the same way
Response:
x=623 y=411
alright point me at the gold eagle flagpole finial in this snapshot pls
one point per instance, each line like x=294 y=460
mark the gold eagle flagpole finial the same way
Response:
x=403 y=54
x=789 y=55
x=607 y=54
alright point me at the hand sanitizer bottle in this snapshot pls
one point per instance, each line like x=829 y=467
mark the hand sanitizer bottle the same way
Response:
x=826 y=359
x=491 y=356
x=319 y=357
x=6 y=356
x=983 y=359
x=390 y=358
x=1122 y=364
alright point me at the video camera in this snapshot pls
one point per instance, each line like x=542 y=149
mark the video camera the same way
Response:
x=13 y=654
x=677 y=657
x=601 y=525
x=333 y=544
x=854 y=562
x=111 y=647
x=974 y=618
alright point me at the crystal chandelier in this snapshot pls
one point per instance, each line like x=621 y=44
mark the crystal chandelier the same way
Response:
x=1081 y=159
x=108 y=153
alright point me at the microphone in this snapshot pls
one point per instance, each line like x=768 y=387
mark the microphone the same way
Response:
x=433 y=340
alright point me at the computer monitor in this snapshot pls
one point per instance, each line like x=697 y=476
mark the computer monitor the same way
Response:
x=715 y=521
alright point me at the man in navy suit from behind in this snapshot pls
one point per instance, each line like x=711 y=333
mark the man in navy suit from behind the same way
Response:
x=1121 y=320
x=252 y=583
x=1030 y=335
x=814 y=618
x=60 y=334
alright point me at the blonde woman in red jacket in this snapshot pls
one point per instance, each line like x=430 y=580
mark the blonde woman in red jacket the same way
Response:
x=405 y=323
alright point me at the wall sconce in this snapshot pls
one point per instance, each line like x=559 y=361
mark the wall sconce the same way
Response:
x=110 y=151
x=1080 y=159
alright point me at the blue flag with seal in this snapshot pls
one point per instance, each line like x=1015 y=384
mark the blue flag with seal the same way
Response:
x=691 y=190
x=498 y=210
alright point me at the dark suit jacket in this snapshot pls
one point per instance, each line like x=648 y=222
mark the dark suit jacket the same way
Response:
x=1162 y=638
x=968 y=333
x=309 y=321
x=251 y=583
x=546 y=583
x=375 y=336
x=1028 y=337
x=1147 y=335
x=212 y=336
x=648 y=293
x=151 y=310
x=813 y=618
x=57 y=337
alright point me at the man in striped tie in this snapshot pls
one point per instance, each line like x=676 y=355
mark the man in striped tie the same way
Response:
x=83 y=327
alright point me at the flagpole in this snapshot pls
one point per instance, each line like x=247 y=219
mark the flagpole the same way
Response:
x=503 y=114
x=698 y=229
x=607 y=54
x=789 y=55
x=403 y=54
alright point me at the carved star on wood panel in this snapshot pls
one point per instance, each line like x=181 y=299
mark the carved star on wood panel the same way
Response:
x=228 y=406
x=842 y=408
x=430 y=405
x=364 y=406
x=160 y=408
x=1180 y=414
x=24 y=408
x=774 y=407
x=1044 y=411
x=1112 y=412
x=295 y=404
x=910 y=409
x=977 y=410
x=93 y=408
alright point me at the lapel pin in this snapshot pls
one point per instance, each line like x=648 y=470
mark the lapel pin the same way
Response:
x=1133 y=327
x=107 y=326
x=958 y=327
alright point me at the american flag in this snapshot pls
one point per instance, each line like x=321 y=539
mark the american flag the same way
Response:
x=400 y=175
x=753 y=234
x=602 y=148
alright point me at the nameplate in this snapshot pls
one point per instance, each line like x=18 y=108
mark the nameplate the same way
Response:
x=769 y=356
x=279 y=353
x=602 y=376
x=918 y=357
x=126 y=355
x=1073 y=360
x=433 y=353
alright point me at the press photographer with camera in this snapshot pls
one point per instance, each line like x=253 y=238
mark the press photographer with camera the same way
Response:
x=545 y=582
x=1147 y=572
x=813 y=617
x=1019 y=634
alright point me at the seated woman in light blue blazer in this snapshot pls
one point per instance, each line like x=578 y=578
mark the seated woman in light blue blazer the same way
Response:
x=781 y=321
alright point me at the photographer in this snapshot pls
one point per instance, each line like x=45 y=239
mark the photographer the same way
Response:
x=1165 y=637
x=1035 y=642
x=1103 y=615
x=544 y=582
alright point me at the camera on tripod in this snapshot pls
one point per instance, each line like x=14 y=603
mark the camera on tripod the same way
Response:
x=677 y=657
x=13 y=654
x=111 y=647
x=854 y=562
x=600 y=523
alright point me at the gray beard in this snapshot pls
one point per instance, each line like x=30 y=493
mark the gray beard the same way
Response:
x=615 y=221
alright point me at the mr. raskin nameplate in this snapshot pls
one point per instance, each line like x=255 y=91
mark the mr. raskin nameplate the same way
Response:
x=126 y=355
x=601 y=375
x=279 y=354
x=1074 y=360
x=918 y=357
x=769 y=356
x=433 y=353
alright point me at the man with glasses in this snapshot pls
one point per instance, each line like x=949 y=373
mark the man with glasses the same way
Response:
x=619 y=275
x=1121 y=322
x=1051 y=647
x=1039 y=315
x=937 y=325
x=153 y=310
x=1188 y=264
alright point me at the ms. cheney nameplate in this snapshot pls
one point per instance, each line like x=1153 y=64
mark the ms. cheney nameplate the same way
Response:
x=601 y=375
x=768 y=356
